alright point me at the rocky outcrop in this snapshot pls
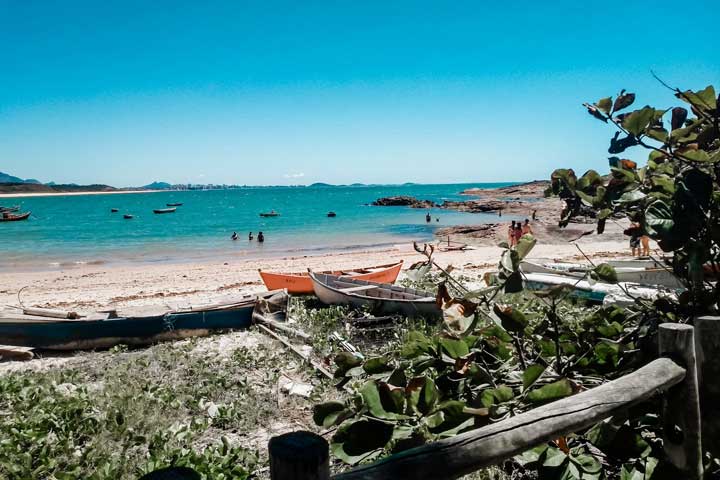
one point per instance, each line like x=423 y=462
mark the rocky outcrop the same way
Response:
x=486 y=230
x=403 y=201
x=474 y=206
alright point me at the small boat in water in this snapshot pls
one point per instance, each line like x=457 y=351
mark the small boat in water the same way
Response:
x=9 y=217
x=138 y=326
x=114 y=210
x=332 y=214
x=271 y=213
x=381 y=298
x=12 y=209
x=300 y=283
x=164 y=210
x=127 y=216
x=174 y=204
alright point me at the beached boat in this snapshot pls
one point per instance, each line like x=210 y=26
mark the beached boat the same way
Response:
x=269 y=214
x=640 y=275
x=164 y=210
x=300 y=283
x=608 y=293
x=332 y=214
x=381 y=298
x=141 y=326
x=9 y=217
x=174 y=204
x=127 y=216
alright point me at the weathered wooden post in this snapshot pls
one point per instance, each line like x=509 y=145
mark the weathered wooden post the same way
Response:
x=681 y=404
x=299 y=456
x=707 y=348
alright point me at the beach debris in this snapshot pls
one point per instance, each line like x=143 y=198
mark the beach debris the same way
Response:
x=292 y=387
x=304 y=354
x=12 y=353
x=211 y=408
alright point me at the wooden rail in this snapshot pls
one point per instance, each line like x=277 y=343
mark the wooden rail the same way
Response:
x=470 y=451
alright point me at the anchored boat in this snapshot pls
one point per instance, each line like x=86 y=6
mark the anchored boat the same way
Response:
x=164 y=210
x=300 y=283
x=9 y=217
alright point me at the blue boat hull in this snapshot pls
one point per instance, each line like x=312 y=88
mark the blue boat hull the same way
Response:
x=80 y=335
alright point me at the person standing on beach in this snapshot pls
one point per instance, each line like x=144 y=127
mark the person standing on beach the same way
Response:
x=635 y=233
x=534 y=215
x=518 y=232
x=511 y=234
x=261 y=237
x=645 y=243
x=526 y=228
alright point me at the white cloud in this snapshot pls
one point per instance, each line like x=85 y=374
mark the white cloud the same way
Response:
x=294 y=175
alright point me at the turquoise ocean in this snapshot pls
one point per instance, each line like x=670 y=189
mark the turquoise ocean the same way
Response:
x=80 y=229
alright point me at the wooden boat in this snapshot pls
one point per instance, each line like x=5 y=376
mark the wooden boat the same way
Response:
x=9 y=217
x=381 y=298
x=139 y=327
x=174 y=204
x=114 y=210
x=606 y=293
x=127 y=216
x=164 y=210
x=270 y=214
x=332 y=214
x=643 y=276
x=12 y=209
x=300 y=283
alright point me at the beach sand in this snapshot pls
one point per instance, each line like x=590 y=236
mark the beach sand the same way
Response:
x=90 y=287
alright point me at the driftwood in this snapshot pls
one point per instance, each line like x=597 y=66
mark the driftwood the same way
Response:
x=316 y=365
x=467 y=452
x=281 y=326
x=49 y=312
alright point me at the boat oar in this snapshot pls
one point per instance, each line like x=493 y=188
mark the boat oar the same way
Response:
x=280 y=326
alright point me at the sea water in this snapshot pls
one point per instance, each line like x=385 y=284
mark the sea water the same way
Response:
x=79 y=229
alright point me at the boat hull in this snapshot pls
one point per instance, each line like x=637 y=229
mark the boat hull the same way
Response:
x=424 y=306
x=92 y=334
x=301 y=284
x=14 y=218
x=643 y=276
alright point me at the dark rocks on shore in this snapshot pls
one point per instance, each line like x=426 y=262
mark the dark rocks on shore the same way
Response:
x=403 y=201
x=486 y=230
x=474 y=206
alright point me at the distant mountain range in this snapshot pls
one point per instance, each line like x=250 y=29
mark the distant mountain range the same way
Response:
x=7 y=178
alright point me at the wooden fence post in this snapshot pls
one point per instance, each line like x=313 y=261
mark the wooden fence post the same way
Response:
x=707 y=348
x=299 y=456
x=681 y=404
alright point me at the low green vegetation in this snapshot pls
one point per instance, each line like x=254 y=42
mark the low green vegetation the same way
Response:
x=118 y=415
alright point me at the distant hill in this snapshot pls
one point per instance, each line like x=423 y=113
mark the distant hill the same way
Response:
x=40 y=188
x=157 y=186
x=7 y=178
x=320 y=184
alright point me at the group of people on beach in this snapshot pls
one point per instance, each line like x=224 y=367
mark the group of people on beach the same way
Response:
x=517 y=229
x=639 y=242
x=260 y=237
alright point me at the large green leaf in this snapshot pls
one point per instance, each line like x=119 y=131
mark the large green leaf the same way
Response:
x=329 y=414
x=531 y=374
x=345 y=361
x=605 y=273
x=550 y=392
x=605 y=104
x=525 y=245
x=377 y=365
x=638 y=120
x=512 y=319
x=422 y=395
x=357 y=440
x=659 y=219
x=699 y=156
x=453 y=348
x=371 y=395
x=704 y=99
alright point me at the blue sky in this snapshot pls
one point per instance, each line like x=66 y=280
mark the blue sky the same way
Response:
x=297 y=92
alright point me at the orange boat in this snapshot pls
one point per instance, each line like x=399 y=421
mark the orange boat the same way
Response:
x=300 y=283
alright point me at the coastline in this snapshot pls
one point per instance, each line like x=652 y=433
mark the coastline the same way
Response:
x=73 y=194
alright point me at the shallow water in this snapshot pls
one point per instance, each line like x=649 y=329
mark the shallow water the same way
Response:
x=68 y=230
